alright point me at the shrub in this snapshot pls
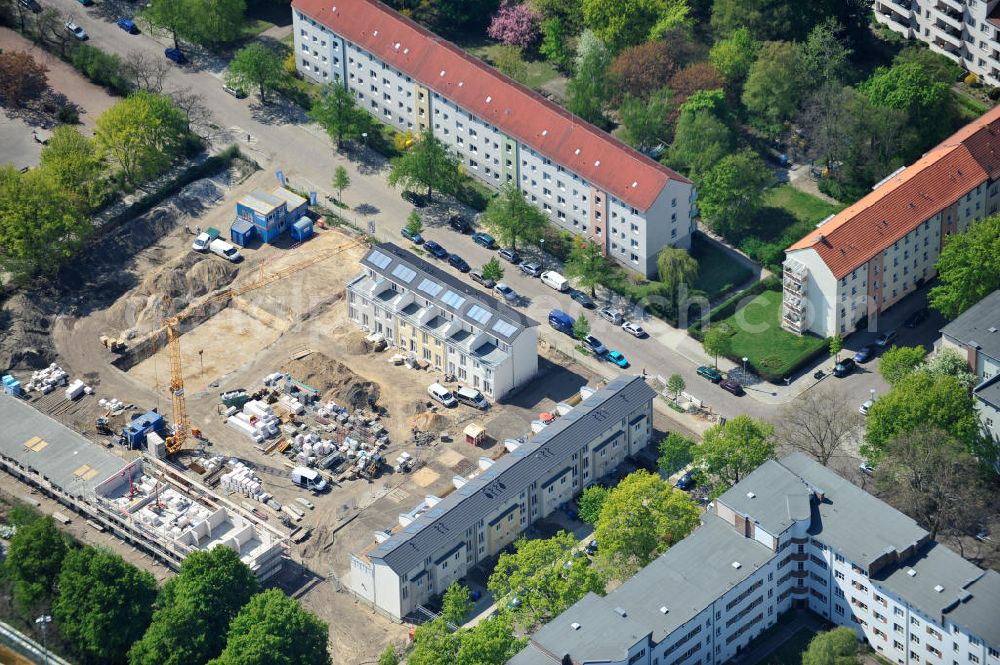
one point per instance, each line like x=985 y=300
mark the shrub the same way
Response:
x=68 y=115
x=971 y=79
x=102 y=68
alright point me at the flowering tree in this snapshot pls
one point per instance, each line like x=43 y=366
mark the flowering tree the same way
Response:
x=515 y=25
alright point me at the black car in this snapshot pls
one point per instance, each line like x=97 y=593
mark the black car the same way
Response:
x=865 y=353
x=582 y=298
x=30 y=4
x=457 y=262
x=436 y=250
x=417 y=200
x=686 y=481
x=844 y=367
x=918 y=317
x=731 y=386
x=460 y=224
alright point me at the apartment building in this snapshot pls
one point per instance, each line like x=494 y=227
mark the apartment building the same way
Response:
x=586 y=181
x=864 y=259
x=967 y=31
x=435 y=317
x=443 y=538
x=791 y=534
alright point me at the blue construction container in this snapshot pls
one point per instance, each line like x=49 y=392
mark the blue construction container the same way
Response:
x=242 y=232
x=11 y=386
x=302 y=229
x=271 y=213
x=136 y=431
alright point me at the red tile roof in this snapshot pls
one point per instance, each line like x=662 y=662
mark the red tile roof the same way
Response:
x=937 y=180
x=485 y=92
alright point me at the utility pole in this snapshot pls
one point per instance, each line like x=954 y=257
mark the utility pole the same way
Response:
x=43 y=622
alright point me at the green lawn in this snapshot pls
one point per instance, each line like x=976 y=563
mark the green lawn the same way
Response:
x=718 y=272
x=789 y=653
x=756 y=333
x=787 y=215
x=540 y=72
x=803 y=206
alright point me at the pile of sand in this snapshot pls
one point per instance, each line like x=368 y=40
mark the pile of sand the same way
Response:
x=333 y=380
x=25 y=342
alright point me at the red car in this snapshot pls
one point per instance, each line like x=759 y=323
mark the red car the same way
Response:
x=731 y=386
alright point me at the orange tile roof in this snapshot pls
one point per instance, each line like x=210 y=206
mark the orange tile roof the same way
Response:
x=480 y=89
x=941 y=177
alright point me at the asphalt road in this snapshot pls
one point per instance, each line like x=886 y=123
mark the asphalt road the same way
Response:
x=278 y=136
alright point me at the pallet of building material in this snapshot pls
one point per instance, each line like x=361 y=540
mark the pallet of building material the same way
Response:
x=59 y=517
x=283 y=445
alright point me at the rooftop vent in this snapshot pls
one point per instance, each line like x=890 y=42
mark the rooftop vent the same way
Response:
x=406 y=50
x=751 y=495
x=911 y=572
x=575 y=626
x=461 y=84
x=545 y=132
x=375 y=33
x=938 y=588
x=737 y=565
x=620 y=611
x=442 y=73
x=576 y=152
x=597 y=163
x=396 y=46
x=489 y=98
x=663 y=609
x=635 y=183
x=992 y=329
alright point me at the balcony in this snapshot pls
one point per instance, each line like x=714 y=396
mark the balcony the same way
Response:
x=946 y=33
x=894 y=20
x=793 y=303
x=950 y=18
x=792 y=323
x=953 y=5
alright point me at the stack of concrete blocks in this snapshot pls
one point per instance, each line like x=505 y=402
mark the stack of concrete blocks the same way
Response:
x=256 y=420
x=113 y=406
x=291 y=404
x=242 y=479
x=311 y=447
x=46 y=380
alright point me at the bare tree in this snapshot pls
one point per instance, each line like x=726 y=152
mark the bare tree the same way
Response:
x=820 y=423
x=194 y=108
x=928 y=475
x=50 y=27
x=145 y=71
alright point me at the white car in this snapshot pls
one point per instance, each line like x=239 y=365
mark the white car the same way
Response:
x=633 y=329
x=612 y=316
x=77 y=31
x=504 y=291
x=200 y=243
x=865 y=406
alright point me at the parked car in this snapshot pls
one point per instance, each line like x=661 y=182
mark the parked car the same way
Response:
x=472 y=397
x=441 y=394
x=885 y=338
x=128 y=25
x=595 y=345
x=436 y=250
x=561 y=321
x=31 y=4
x=633 y=329
x=867 y=404
x=175 y=55
x=554 y=280
x=238 y=93
x=844 y=367
x=686 y=481
x=582 y=298
x=86 y=3
x=531 y=268
x=225 y=250
x=865 y=353
x=201 y=242
x=592 y=548
x=415 y=238
x=477 y=277
x=710 y=373
x=457 y=262
x=505 y=292
x=918 y=317
x=484 y=239
x=866 y=468
x=417 y=200
x=617 y=358
x=612 y=316
x=77 y=31
x=460 y=224
x=731 y=386
x=510 y=256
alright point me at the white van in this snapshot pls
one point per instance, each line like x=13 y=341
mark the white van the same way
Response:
x=441 y=394
x=308 y=478
x=225 y=250
x=554 y=280
x=472 y=397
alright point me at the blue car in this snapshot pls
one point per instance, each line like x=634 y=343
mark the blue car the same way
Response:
x=175 y=55
x=415 y=238
x=617 y=358
x=484 y=239
x=436 y=250
x=865 y=354
x=128 y=25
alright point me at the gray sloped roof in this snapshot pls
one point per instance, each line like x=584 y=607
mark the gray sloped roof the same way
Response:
x=989 y=391
x=980 y=612
x=467 y=302
x=975 y=324
x=447 y=521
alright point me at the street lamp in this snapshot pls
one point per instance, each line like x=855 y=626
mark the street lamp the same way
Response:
x=541 y=246
x=43 y=622
x=745 y=359
x=364 y=138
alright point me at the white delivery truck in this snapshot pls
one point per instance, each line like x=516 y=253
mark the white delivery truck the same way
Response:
x=554 y=280
x=225 y=250
x=308 y=478
x=441 y=394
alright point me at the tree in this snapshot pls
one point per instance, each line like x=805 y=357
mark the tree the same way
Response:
x=456 y=604
x=676 y=385
x=939 y=67
x=641 y=70
x=104 y=604
x=71 y=160
x=511 y=64
x=567 y=11
x=967 y=268
x=734 y=56
x=716 y=342
x=949 y=362
x=644 y=122
x=930 y=476
x=200 y=22
x=587 y=263
x=676 y=452
x=256 y=66
x=781 y=19
x=195 y=609
x=546 y=576
x=273 y=629
x=493 y=270
x=22 y=78
x=929 y=104
x=700 y=142
x=591 y=501
x=389 y=656
x=622 y=23
x=821 y=422
x=34 y=558
x=41 y=227
x=336 y=111
x=920 y=401
x=515 y=24
x=899 y=362
x=145 y=72
x=833 y=647
x=414 y=224
x=555 y=46
x=192 y=105
x=731 y=192
x=491 y=642
x=171 y=16
x=774 y=85
x=50 y=28
x=142 y=135
x=427 y=164
x=727 y=453
x=677 y=272
x=836 y=346
x=581 y=327
x=511 y=218
x=692 y=78
x=342 y=181
x=459 y=15
x=589 y=89
x=642 y=517
x=825 y=56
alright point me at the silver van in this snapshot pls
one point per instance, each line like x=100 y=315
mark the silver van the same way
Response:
x=472 y=397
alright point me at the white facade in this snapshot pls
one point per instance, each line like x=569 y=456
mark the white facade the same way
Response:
x=630 y=236
x=965 y=31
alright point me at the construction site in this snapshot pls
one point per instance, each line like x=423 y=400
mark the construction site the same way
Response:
x=219 y=403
